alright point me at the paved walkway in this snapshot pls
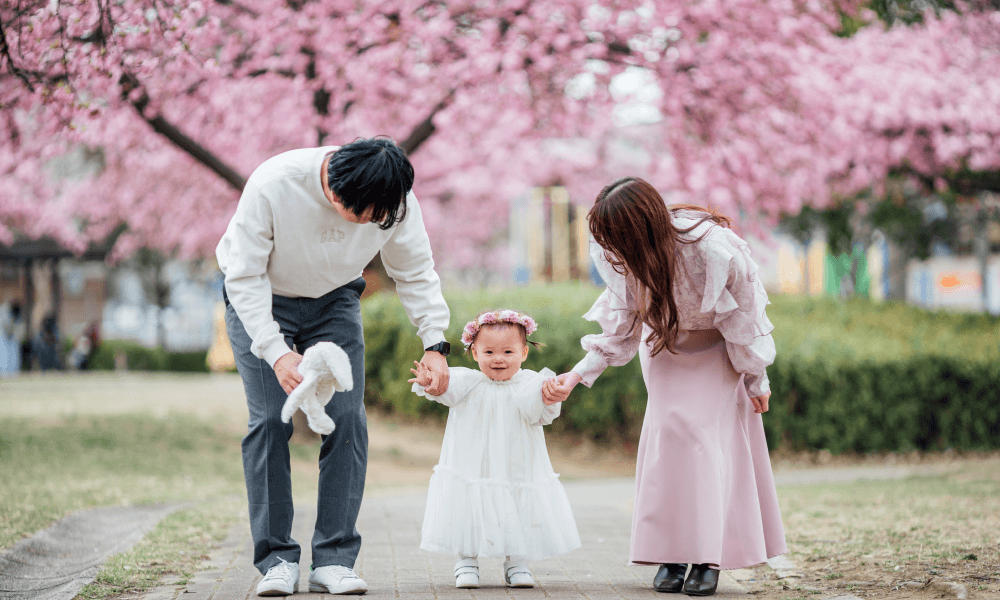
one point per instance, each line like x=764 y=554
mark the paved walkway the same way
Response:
x=394 y=567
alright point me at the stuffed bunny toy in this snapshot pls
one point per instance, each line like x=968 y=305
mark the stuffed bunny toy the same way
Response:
x=324 y=368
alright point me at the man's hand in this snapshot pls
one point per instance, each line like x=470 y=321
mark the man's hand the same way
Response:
x=286 y=369
x=437 y=364
x=421 y=374
x=760 y=403
x=558 y=388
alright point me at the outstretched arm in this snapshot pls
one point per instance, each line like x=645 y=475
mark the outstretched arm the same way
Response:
x=534 y=408
x=621 y=332
x=408 y=261
x=463 y=380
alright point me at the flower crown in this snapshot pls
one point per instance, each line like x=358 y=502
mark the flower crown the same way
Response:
x=494 y=317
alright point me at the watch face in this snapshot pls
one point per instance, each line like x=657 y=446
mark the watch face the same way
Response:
x=442 y=347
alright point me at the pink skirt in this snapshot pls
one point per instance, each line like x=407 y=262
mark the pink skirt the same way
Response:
x=704 y=491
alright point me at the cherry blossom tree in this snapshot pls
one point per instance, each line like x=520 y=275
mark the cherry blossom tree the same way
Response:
x=911 y=122
x=918 y=101
x=761 y=107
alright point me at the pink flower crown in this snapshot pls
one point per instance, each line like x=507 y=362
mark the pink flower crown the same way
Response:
x=497 y=316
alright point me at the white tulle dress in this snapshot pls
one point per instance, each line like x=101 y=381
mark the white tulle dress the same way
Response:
x=493 y=491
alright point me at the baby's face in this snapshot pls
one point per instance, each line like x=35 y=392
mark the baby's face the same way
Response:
x=499 y=352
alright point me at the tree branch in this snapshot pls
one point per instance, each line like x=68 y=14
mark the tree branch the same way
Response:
x=970 y=182
x=425 y=128
x=177 y=137
x=962 y=181
x=5 y=53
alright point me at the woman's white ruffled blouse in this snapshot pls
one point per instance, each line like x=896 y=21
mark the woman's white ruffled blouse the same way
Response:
x=717 y=287
x=493 y=491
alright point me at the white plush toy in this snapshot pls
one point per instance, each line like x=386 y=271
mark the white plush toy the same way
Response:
x=324 y=368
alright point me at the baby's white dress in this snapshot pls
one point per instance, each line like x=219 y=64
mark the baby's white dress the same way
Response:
x=493 y=491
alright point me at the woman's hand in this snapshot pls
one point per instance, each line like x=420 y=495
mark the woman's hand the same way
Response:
x=760 y=403
x=286 y=369
x=558 y=388
x=421 y=374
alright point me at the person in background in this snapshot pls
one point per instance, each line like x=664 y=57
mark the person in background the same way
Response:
x=45 y=346
x=10 y=345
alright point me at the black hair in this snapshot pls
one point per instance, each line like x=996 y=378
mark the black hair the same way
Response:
x=372 y=173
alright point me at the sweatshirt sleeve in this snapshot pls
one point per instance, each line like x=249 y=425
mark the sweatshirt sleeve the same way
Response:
x=408 y=260
x=243 y=255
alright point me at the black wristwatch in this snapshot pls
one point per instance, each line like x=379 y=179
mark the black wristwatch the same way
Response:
x=443 y=348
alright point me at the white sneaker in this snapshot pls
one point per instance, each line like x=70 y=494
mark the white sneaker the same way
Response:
x=280 y=580
x=517 y=574
x=467 y=573
x=335 y=579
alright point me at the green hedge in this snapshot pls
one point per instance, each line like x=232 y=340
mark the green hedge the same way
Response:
x=923 y=402
x=850 y=376
x=141 y=358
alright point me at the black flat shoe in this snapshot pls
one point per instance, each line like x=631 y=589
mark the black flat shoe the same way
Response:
x=701 y=581
x=670 y=578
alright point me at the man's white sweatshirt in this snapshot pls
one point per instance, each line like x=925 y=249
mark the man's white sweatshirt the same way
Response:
x=287 y=239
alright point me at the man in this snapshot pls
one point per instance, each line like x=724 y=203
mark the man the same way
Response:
x=306 y=225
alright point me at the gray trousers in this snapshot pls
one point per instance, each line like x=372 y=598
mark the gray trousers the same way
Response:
x=343 y=456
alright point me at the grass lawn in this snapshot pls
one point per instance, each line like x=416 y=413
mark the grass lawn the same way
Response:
x=54 y=467
x=174 y=549
x=73 y=442
x=896 y=538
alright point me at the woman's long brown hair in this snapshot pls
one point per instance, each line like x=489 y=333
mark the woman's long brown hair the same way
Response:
x=633 y=224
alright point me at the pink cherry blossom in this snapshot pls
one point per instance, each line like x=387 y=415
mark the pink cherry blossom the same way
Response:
x=146 y=117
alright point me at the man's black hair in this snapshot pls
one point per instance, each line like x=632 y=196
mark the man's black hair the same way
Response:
x=372 y=172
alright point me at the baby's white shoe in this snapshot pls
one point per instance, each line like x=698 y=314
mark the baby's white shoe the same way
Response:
x=517 y=574
x=467 y=573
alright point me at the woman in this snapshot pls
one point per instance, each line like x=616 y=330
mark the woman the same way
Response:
x=682 y=291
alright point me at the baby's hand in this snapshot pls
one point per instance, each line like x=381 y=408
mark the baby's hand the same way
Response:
x=422 y=375
x=557 y=389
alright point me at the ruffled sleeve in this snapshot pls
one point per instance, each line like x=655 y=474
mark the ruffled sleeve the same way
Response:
x=461 y=382
x=614 y=310
x=734 y=294
x=529 y=399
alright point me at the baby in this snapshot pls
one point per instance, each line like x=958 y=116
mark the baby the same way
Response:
x=493 y=491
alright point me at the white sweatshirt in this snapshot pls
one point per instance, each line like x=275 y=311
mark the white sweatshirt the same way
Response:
x=287 y=239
